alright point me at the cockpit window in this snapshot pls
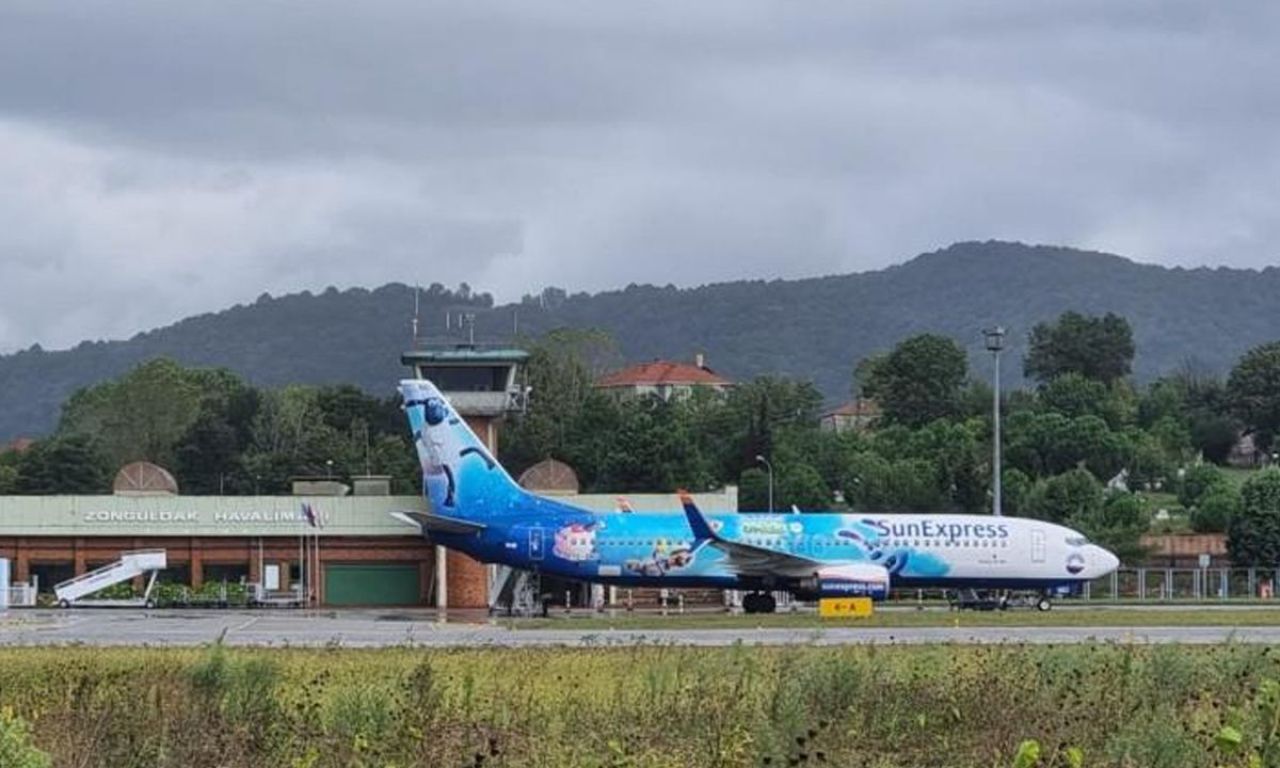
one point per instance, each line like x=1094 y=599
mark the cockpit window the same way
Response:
x=1077 y=541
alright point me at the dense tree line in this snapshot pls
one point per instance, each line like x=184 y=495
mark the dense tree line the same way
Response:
x=216 y=433
x=812 y=328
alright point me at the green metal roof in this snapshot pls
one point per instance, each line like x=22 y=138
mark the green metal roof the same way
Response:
x=464 y=355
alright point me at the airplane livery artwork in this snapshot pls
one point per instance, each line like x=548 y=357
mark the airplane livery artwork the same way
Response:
x=476 y=508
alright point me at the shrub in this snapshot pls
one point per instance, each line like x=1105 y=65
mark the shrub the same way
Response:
x=16 y=750
x=1214 y=512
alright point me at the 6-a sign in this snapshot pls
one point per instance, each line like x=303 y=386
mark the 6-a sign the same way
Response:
x=844 y=607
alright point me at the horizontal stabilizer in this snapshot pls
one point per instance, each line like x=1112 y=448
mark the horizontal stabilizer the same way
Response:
x=438 y=523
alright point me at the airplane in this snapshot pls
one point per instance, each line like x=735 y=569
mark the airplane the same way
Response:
x=476 y=508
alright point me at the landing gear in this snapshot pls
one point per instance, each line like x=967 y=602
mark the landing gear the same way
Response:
x=759 y=602
x=1044 y=603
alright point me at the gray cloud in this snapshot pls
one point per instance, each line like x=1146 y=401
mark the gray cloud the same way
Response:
x=165 y=159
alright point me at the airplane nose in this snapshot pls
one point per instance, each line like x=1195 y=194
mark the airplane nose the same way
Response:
x=1105 y=561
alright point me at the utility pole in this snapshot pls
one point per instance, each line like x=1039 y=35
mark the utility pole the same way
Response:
x=761 y=459
x=994 y=338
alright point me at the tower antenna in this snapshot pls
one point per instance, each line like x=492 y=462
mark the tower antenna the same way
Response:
x=416 y=290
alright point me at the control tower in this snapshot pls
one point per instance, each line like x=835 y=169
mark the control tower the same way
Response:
x=481 y=384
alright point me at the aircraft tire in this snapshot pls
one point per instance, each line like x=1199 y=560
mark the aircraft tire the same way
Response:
x=767 y=603
x=750 y=603
x=1044 y=604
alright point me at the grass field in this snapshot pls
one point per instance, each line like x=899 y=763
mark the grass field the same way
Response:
x=1156 y=707
x=1059 y=617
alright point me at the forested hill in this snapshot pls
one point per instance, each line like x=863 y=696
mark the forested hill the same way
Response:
x=815 y=328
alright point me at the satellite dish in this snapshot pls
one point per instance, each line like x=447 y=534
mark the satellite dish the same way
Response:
x=142 y=478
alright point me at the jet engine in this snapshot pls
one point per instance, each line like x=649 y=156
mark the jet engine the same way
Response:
x=849 y=580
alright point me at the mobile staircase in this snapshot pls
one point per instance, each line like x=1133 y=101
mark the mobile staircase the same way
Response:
x=130 y=565
x=514 y=591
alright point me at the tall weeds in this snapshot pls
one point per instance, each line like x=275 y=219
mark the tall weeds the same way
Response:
x=641 y=707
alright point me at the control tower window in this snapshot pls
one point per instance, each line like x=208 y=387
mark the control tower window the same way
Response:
x=470 y=379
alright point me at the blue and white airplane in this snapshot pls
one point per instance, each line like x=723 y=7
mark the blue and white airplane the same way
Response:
x=476 y=508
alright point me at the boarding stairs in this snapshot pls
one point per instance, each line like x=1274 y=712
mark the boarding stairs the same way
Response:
x=514 y=590
x=129 y=566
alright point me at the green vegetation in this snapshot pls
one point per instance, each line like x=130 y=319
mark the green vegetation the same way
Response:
x=814 y=328
x=1157 y=707
x=217 y=434
x=1242 y=613
x=930 y=449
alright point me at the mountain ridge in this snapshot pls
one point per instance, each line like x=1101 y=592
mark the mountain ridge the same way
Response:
x=813 y=327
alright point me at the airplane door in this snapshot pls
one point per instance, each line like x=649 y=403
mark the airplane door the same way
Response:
x=1037 y=546
x=535 y=543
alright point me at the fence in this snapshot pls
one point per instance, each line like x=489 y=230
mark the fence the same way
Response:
x=1154 y=584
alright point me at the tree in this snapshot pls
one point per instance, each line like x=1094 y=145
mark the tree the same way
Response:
x=1098 y=348
x=753 y=490
x=8 y=479
x=209 y=456
x=754 y=411
x=1072 y=394
x=1072 y=494
x=64 y=464
x=1147 y=463
x=1200 y=481
x=1253 y=392
x=801 y=486
x=140 y=416
x=1016 y=489
x=1117 y=524
x=906 y=485
x=1214 y=512
x=1253 y=535
x=919 y=381
x=560 y=372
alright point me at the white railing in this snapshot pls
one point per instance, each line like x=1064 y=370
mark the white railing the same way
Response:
x=22 y=596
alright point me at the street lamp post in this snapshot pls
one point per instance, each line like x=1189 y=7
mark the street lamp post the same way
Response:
x=994 y=338
x=764 y=461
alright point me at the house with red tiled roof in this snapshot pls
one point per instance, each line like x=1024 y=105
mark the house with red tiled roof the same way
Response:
x=664 y=378
x=854 y=415
x=18 y=445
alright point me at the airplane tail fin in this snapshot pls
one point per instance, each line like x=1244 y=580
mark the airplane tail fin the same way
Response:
x=460 y=477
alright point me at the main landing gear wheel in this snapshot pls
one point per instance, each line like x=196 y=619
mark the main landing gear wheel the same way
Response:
x=1044 y=604
x=759 y=602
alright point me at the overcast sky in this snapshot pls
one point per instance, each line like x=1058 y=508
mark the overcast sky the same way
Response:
x=167 y=158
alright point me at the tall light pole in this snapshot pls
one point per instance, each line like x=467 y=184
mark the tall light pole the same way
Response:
x=994 y=338
x=764 y=461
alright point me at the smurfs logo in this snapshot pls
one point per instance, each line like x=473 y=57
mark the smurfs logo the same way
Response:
x=1075 y=563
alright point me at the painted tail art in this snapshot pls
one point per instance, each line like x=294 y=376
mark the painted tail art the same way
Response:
x=460 y=477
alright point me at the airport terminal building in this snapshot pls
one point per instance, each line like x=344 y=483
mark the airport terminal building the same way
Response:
x=355 y=553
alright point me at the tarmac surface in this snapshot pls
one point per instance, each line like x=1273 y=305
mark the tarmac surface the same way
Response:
x=370 y=629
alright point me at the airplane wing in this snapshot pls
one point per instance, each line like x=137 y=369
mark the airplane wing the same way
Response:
x=438 y=523
x=747 y=559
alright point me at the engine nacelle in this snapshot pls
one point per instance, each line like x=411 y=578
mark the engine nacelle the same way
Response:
x=849 y=580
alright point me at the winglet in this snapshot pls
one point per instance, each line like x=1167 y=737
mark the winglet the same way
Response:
x=697 y=521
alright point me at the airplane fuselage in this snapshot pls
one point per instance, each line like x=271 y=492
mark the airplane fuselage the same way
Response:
x=660 y=549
